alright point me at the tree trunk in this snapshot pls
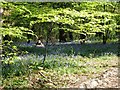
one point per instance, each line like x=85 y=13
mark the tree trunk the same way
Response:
x=62 y=36
x=70 y=36
x=106 y=36
x=47 y=38
x=104 y=39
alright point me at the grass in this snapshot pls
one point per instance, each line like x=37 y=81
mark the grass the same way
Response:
x=64 y=63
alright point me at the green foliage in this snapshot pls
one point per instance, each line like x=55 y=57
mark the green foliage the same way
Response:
x=44 y=20
x=8 y=49
x=14 y=26
x=82 y=17
x=86 y=20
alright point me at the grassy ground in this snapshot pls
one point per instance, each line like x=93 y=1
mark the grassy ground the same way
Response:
x=65 y=65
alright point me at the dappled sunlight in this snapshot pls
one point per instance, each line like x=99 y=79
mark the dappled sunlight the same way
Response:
x=59 y=44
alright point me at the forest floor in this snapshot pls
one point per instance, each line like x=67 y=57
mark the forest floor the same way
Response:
x=67 y=65
x=108 y=79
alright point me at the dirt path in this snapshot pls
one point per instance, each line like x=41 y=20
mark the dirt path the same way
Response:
x=108 y=79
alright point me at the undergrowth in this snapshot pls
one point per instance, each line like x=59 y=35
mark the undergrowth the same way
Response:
x=28 y=70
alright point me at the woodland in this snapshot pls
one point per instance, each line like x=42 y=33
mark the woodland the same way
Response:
x=59 y=44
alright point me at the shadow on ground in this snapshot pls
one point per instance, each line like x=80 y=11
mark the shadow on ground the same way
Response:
x=85 y=50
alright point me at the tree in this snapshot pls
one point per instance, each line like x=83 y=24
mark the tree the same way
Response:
x=41 y=19
x=13 y=28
